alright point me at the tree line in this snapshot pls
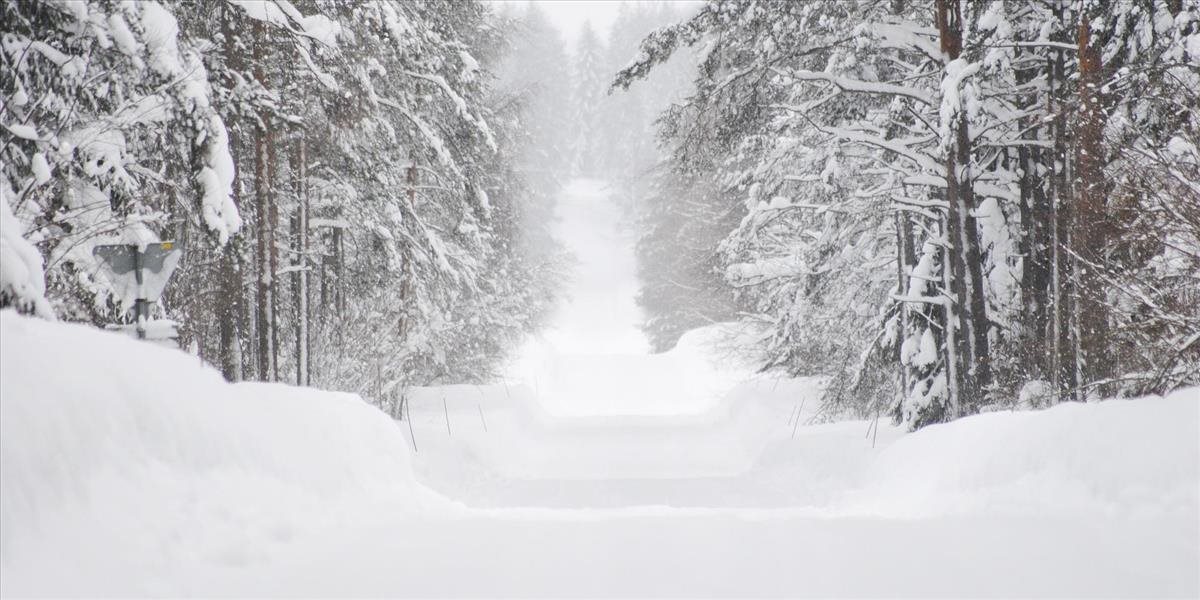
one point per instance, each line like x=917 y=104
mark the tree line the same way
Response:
x=950 y=206
x=585 y=131
x=348 y=180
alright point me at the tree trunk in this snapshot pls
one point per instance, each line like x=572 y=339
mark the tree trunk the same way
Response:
x=1062 y=356
x=964 y=257
x=1090 y=233
x=273 y=253
x=300 y=261
x=229 y=278
x=264 y=241
x=1036 y=239
x=903 y=256
x=228 y=313
x=980 y=370
x=950 y=326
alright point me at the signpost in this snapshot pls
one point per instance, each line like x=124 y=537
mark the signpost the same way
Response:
x=138 y=275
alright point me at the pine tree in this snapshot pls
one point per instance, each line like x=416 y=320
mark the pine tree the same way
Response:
x=589 y=83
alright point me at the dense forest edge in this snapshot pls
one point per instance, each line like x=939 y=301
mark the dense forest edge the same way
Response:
x=944 y=207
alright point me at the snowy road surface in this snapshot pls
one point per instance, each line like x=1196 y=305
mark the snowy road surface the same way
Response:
x=668 y=553
x=597 y=470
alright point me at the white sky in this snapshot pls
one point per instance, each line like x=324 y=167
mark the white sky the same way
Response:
x=569 y=15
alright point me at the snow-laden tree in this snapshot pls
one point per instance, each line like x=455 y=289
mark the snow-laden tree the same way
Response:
x=802 y=253
x=343 y=177
x=109 y=135
x=22 y=282
x=681 y=219
x=537 y=72
x=590 y=83
x=627 y=152
x=934 y=185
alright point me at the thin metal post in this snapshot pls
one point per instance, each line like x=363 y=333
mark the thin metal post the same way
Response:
x=876 y=436
x=796 y=425
x=408 y=408
x=141 y=312
x=479 y=405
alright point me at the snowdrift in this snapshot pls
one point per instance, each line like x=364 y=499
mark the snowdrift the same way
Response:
x=127 y=469
x=693 y=377
x=1137 y=458
x=112 y=447
x=1116 y=458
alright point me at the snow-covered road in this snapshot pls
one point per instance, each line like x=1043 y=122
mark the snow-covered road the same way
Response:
x=737 y=506
x=672 y=553
x=596 y=470
x=607 y=471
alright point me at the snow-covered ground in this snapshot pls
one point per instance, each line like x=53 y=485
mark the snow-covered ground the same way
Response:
x=128 y=469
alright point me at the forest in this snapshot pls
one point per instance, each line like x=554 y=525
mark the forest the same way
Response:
x=949 y=207
x=362 y=189
x=944 y=207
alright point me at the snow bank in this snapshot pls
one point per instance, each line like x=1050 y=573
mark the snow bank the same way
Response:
x=691 y=378
x=131 y=470
x=1118 y=457
x=749 y=449
x=121 y=455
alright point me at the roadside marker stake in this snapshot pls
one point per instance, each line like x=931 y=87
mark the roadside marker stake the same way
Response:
x=796 y=425
x=412 y=436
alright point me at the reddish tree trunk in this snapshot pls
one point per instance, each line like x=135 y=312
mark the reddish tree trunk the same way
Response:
x=1090 y=231
x=965 y=257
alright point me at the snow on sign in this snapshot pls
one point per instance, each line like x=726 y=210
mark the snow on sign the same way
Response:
x=138 y=274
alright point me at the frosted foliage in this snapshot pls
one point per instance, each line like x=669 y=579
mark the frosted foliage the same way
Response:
x=27 y=132
x=927 y=355
x=22 y=283
x=923 y=273
x=910 y=348
x=124 y=38
x=856 y=134
x=41 y=169
x=161 y=37
x=925 y=395
x=953 y=94
x=1004 y=275
x=1036 y=394
x=270 y=11
x=216 y=179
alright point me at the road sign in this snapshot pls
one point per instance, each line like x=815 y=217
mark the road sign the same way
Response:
x=138 y=274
